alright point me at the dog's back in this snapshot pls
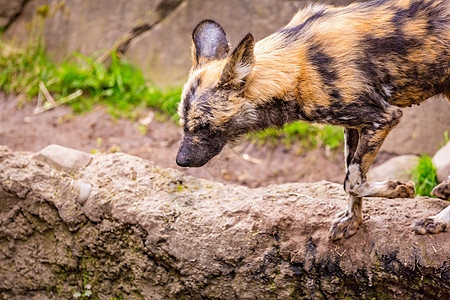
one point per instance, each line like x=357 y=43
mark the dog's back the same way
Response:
x=395 y=51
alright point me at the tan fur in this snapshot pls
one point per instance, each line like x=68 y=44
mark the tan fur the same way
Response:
x=272 y=75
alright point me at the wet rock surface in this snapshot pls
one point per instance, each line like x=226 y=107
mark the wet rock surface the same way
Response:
x=140 y=231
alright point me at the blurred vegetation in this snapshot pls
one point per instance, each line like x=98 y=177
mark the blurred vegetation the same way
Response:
x=82 y=82
x=446 y=139
x=120 y=86
x=306 y=135
x=424 y=176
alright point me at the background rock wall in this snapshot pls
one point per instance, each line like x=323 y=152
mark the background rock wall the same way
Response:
x=155 y=35
x=9 y=10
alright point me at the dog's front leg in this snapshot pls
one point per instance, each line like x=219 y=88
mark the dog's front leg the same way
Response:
x=361 y=147
x=348 y=220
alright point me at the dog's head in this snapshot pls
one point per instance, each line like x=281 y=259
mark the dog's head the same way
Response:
x=212 y=109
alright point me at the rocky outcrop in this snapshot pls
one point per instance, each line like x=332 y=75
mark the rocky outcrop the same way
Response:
x=421 y=129
x=396 y=168
x=122 y=227
x=90 y=26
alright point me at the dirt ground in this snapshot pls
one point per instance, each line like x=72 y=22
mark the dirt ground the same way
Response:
x=244 y=163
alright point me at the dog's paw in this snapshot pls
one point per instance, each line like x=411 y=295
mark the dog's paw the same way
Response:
x=401 y=189
x=344 y=226
x=428 y=225
x=442 y=190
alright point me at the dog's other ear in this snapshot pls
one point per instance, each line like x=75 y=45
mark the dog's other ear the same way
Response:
x=239 y=64
x=209 y=43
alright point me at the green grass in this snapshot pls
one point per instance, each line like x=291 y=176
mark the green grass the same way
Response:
x=446 y=139
x=121 y=86
x=424 y=176
x=124 y=89
x=301 y=133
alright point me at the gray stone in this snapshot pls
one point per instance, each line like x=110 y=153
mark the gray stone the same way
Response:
x=441 y=161
x=85 y=190
x=396 y=168
x=64 y=158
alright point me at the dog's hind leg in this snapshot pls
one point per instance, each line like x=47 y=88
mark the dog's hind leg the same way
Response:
x=371 y=138
x=441 y=221
x=387 y=189
x=434 y=224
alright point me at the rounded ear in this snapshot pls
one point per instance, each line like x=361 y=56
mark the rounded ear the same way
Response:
x=239 y=64
x=209 y=42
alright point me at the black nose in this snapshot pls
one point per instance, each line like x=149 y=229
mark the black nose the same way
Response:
x=182 y=161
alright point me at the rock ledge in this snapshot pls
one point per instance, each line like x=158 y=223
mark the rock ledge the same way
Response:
x=122 y=227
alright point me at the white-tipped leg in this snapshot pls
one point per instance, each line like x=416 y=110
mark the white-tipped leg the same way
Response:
x=387 y=189
x=435 y=224
x=347 y=221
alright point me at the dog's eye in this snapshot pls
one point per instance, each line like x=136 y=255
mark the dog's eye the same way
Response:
x=201 y=128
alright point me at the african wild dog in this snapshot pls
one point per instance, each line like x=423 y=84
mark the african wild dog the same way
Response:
x=353 y=66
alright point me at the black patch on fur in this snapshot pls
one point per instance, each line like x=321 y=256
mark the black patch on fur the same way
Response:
x=336 y=94
x=396 y=44
x=411 y=12
x=276 y=113
x=394 y=48
x=359 y=113
x=376 y=76
x=292 y=34
x=435 y=16
x=323 y=62
x=368 y=67
x=326 y=67
x=352 y=139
